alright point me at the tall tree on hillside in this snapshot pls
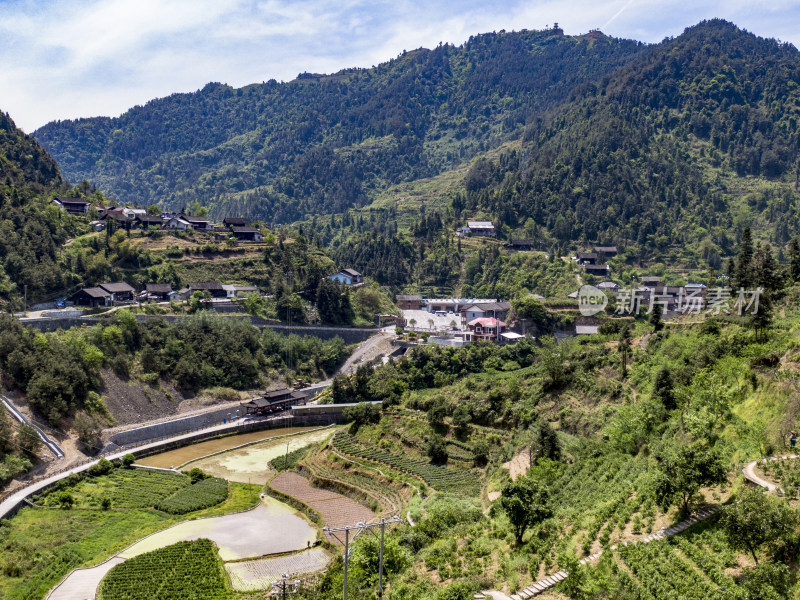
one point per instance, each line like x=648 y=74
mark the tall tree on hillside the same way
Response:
x=765 y=271
x=625 y=348
x=742 y=278
x=794 y=260
x=527 y=503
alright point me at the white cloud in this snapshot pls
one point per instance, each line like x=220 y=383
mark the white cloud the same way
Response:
x=79 y=58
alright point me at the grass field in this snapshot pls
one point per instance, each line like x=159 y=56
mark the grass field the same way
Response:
x=39 y=546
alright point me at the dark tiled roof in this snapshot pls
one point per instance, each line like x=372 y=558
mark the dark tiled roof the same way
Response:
x=96 y=292
x=235 y=221
x=245 y=230
x=159 y=288
x=205 y=285
x=116 y=288
x=351 y=272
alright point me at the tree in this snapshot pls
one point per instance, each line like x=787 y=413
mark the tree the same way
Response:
x=655 y=318
x=757 y=520
x=767 y=581
x=683 y=469
x=437 y=413
x=625 y=348
x=66 y=500
x=794 y=260
x=526 y=503
x=29 y=441
x=437 y=449
x=742 y=276
x=761 y=319
x=544 y=442
x=362 y=414
x=462 y=418
x=88 y=430
x=663 y=389
x=154 y=209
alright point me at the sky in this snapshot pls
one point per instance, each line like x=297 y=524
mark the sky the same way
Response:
x=66 y=59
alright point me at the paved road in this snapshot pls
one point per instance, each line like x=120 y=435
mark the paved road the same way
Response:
x=17 y=497
x=51 y=445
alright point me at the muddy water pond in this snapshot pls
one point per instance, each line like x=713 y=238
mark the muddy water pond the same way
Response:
x=251 y=463
x=180 y=456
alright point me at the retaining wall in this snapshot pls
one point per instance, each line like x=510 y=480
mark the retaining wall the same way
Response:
x=169 y=428
x=351 y=335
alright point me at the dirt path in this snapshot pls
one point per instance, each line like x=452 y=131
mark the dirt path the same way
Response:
x=749 y=471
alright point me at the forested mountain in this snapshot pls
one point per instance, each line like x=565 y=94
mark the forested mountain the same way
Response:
x=691 y=142
x=30 y=230
x=322 y=144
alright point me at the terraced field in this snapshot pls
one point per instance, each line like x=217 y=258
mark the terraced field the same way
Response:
x=337 y=510
x=259 y=574
x=445 y=479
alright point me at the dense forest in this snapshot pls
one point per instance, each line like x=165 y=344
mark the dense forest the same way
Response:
x=60 y=372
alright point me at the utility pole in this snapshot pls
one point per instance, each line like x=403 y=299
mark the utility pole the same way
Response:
x=360 y=527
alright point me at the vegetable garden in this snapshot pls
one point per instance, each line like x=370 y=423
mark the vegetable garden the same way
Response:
x=183 y=571
x=458 y=481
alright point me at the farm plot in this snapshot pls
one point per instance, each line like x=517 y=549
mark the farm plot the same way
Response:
x=337 y=510
x=180 y=456
x=183 y=571
x=439 y=477
x=203 y=494
x=270 y=528
x=251 y=464
x=126 y=488
x=259 y=574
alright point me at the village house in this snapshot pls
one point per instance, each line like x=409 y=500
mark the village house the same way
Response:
x=214 y=288
x=74 y=206
x=120 y=291
x=498 y=310
x=586 y=258
x=486 y=328
x=597 y=270
x=274 y=401
x=199 y=223
x=522 y=245
x=348 y=277
x=409 y=301
x=160 y=291
x=145 y=221
x=606 y=251
x=92 y=297
x=178 y=223
x=247 y=234
x=234 y=222
x=481 y=228
x=453 y=305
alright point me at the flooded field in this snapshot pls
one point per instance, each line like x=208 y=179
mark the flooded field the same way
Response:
x=270 y=528
x=251 y=463
x=258 y=574
x=174 y=458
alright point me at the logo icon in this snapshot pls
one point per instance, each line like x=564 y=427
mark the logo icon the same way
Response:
x=591 y=300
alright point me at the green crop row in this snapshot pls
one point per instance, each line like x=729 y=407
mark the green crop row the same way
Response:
x=183 y=571
x=203 y=494
x=439 y=477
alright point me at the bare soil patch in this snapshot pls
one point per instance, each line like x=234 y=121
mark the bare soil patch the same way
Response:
x=337 y=510
x=518 y=465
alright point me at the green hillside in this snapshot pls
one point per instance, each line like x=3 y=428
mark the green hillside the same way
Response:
x=324 y=143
